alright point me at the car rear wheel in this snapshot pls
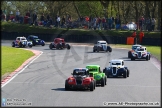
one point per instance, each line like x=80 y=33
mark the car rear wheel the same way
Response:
x=102 y=82
x=68 y=46
x=94 y=84
x=128 y=72
x=91 y=86
x=125 y=74
x=50 y=46
x=105 y=79
x=66 y=85
x=13 y=44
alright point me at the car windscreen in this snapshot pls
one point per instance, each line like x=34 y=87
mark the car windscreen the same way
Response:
x=116 y=63
x=134 y=47
x=102 y=43
x=92 y=69
x=79 y=73
x=140 y=49
x=35 y=37
x=23 y=38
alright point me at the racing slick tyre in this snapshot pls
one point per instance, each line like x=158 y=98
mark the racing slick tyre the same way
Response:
x=110 y=49
x=102 y=82
x=125 y=74
x=30 y=46
x=33 y=43
x=128 y=72
x=68 y=46
x=128 y=54
x=147 y=57
x=43 y=44
x=98 y=49
x=66 y=85
x=105 y=79
x=94 y=50
x=92 y=86
x=95 y=83
x=50 y=46
x=58 y=46
x=13 y=44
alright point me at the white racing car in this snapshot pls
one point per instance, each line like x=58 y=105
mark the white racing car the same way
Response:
x=134 y=47
x=140 y=53
x=21 y=42
x=101 y=46
x=116 y=68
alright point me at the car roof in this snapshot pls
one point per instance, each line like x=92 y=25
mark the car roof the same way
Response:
x=137 y=45
x=92 y=65
x=80 y=68
x=59 y=38
x=141 y=47
x=21 y=37
x=102 y=41
x=33 y=36
x=116 y=60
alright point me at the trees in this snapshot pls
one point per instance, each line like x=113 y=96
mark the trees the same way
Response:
x=127 y=10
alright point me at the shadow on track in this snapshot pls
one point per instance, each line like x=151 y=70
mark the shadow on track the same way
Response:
x=75 y=90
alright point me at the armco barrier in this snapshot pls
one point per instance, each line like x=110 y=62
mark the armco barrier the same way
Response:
x=80 y=38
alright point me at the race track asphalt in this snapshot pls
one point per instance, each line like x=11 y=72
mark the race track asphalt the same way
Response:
x=42 y=82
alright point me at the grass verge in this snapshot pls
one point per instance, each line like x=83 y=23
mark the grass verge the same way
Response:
x=154 y=50
x=12 y=58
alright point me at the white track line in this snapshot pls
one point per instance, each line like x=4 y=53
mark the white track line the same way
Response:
x=21 y=70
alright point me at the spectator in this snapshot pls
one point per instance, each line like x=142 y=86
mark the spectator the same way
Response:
x=28 y=14
x=42 y=18
x=17 y=15
x=103 y=22
x=58 y=21
x=48 y=17
x=141 y=35
x=134 y=34
x=34 y=18
x=95 y=23
x=153 y=21
x=148 y=23
x=99 y=23
x=110 y=22
x=141 y=23
x=63 y=21
x=117 y=23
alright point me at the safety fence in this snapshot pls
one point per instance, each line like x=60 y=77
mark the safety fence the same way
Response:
x=80 y=38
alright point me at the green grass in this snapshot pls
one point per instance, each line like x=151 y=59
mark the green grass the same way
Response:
x=12 y=58
x=155 y=50
x=25 y=28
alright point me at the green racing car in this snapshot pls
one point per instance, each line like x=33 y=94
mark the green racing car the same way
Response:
x=97 y=74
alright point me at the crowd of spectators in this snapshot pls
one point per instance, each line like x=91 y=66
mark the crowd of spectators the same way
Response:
x=96 y=23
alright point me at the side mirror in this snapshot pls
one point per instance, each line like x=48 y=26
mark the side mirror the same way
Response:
x=71 y=73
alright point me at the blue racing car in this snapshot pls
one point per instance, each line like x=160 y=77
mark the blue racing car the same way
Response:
x=35 y=40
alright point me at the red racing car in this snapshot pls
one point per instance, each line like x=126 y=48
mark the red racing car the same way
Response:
x=59 y=43
x=80 y=80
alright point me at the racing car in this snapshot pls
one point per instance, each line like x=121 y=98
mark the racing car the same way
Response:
x=133 y=49
x=21 y=42
x=80 y=80
x=59 y=43
x=35 y=40
x=116 y=68
x=140 y=53
x=101 y=46
x=97 y=74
